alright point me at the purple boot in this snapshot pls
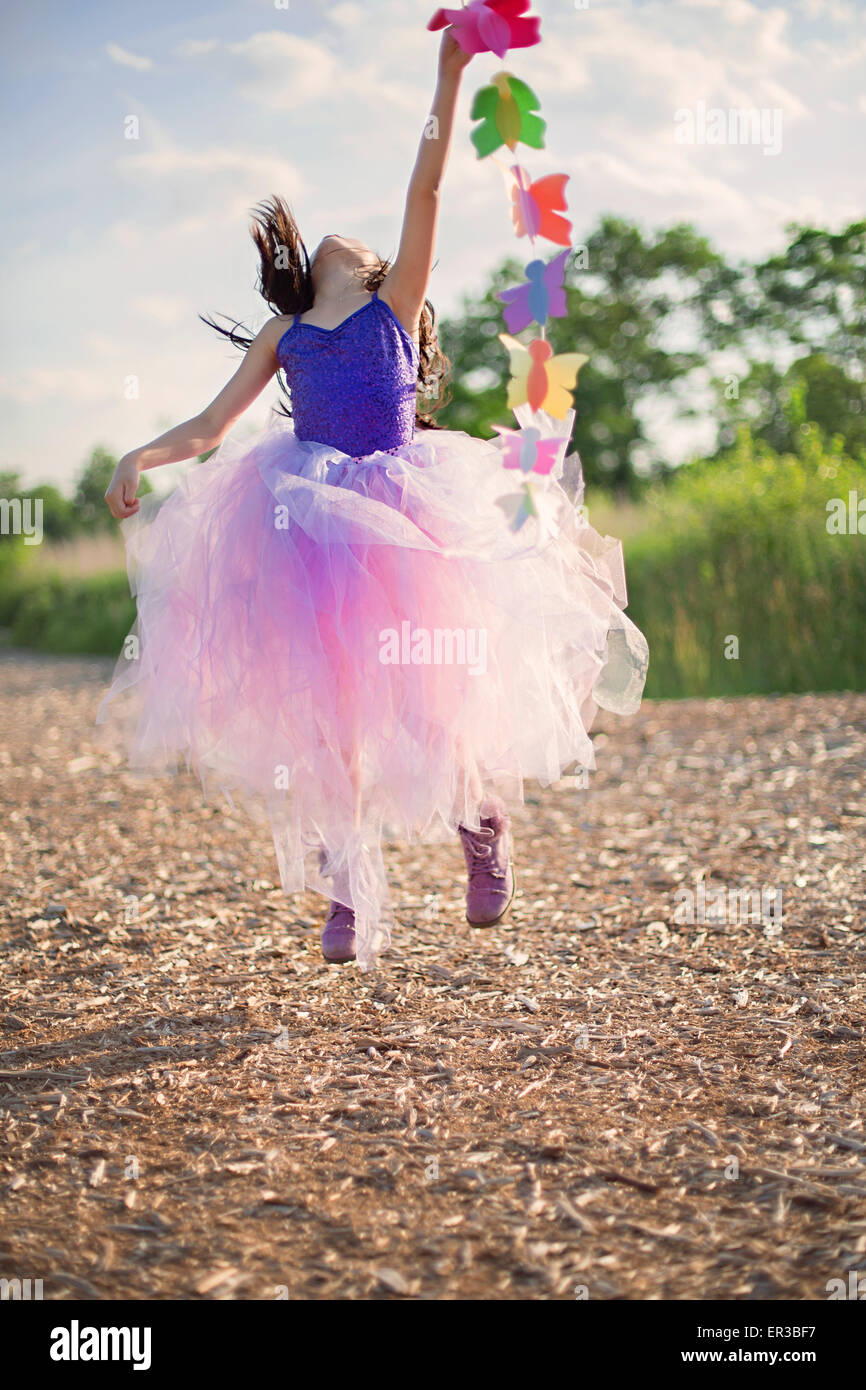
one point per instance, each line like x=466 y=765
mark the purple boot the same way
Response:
x=487 y=851
x=338 y=937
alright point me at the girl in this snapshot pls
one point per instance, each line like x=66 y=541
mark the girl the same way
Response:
x=335 y=621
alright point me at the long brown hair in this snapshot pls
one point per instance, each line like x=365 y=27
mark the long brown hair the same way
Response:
x=286 y=285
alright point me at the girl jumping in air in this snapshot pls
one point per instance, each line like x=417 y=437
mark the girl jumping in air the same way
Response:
x=336 y=624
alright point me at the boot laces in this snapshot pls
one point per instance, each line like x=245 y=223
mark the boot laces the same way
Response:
x=480 y=849
x=336 y=910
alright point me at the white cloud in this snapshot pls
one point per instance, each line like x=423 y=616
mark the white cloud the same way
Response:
x=196 y=48
x=327 y=109
x=161 y=307
x=834 y=11
x=170 y=161
x=37 y=385
x=198 y=191
x=346 y=15
x=280 y=71
x=127 y=59
x=675 y=55
x=288 y=71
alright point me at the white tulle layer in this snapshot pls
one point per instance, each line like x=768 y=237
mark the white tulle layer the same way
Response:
x=276 y=586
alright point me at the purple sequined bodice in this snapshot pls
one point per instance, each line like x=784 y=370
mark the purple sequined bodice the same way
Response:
x=353 y=386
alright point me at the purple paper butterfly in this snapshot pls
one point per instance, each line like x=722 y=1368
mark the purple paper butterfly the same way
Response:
x=543 y=297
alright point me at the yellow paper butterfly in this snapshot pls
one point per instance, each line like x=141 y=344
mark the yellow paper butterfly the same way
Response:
x=537 y=377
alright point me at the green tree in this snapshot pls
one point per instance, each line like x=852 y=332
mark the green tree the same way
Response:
x=779 y=406
x=814 y=293
x=59 y=520
x=89 y=495
x=647 y=310
x=801 y=320
x=10 y=483
x=651 y=311
x=92 y=514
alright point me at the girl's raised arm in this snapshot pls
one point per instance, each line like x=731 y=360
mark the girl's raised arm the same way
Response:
x=405 y=286
x=203 y=431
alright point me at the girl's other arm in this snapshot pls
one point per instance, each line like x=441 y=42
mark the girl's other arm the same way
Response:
x=204 y=431
x=405 y=286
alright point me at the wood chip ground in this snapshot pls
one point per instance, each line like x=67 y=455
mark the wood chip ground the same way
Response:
x=592 y=1099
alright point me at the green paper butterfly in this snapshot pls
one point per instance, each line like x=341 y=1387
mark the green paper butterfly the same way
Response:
x=505 y=110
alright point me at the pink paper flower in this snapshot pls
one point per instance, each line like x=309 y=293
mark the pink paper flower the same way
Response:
x=491 y=26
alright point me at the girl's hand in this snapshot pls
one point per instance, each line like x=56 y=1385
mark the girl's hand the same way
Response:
x=121 y=498
x=452 y=59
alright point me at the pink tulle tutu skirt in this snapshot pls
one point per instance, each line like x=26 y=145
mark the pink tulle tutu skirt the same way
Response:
x=359 y=648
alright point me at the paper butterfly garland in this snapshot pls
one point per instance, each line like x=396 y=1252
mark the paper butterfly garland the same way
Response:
x=542 y=298
x=543 y=381
x=536 y=207
x=491 y=26
x=505 y=110
x=537 y=447
x=541 y=384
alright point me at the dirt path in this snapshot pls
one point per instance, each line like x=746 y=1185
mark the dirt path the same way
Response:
x=592 y=1098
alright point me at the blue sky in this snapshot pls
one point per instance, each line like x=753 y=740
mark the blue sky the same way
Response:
x=112 y=246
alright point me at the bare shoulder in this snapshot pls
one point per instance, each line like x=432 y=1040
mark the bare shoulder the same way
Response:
x=274 y=330
x=408 y=315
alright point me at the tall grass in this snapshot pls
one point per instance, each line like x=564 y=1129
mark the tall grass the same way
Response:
x=80 y=555
x=53 y=612
x=736 y=557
